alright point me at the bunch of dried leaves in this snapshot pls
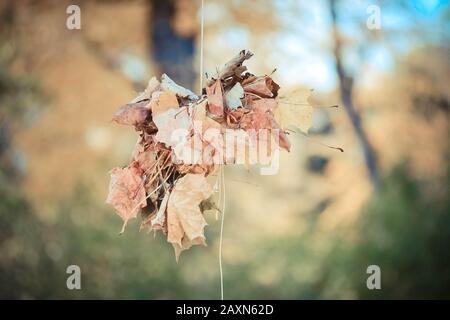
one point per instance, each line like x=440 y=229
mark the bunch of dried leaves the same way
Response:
x=169 y=190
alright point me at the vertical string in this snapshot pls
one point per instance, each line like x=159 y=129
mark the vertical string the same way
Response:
x=222 y=189
x=222 y=199
x=202 y=21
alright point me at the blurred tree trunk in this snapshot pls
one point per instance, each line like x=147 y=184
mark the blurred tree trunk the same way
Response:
x=346 y=91
x=172 y=52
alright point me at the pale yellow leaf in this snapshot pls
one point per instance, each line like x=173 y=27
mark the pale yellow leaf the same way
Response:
x=294 y=110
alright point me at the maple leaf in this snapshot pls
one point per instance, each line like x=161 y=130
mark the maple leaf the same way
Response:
x=185 y=222
x=126 y=192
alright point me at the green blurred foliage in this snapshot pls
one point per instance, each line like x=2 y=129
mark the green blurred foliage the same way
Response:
x=405 y=231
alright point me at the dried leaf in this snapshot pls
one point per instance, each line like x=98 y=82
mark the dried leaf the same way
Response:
x=234 y=67
x=263 y=87
x=134 y=114
x=146 y=159
x=262 y=117
x=126 y=192
x=259 y=116
x=185 y=222
x=299 y=116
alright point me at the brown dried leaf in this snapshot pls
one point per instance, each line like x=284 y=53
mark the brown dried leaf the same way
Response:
x=185 y=222
x=262 y=117
x=259 y=117
x=146 y=159
x=134 y=114
x=263 y=87
x=126 y=192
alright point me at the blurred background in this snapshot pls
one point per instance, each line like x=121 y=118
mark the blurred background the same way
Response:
x=309 y=232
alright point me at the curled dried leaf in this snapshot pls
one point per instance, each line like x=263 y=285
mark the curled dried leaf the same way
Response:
x=263 y=87
x=134 y=114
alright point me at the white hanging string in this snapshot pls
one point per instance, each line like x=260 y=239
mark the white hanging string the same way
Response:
x=202 y=21
x=222 y=190
x=221 y=177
